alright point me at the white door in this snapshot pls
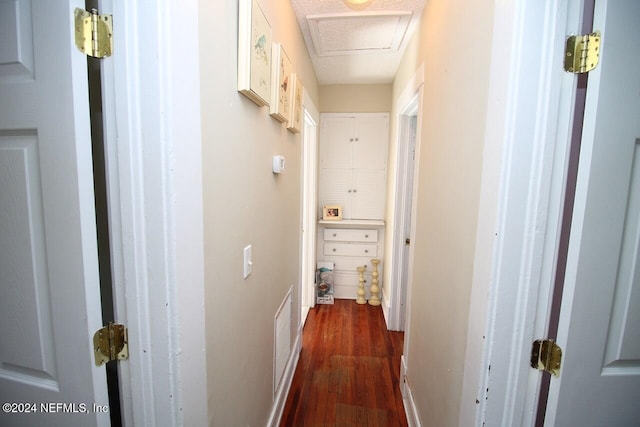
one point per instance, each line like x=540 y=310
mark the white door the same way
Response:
x=599 y=330
x=411 y=123
x=49 y=289
x=371 y=142
x=336 y=188
x=336 y=142
x=368 y=194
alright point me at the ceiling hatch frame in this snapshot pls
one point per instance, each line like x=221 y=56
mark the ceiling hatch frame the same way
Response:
x=358 y=33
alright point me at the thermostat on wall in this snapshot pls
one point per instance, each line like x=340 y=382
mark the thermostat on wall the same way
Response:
x=278 y=164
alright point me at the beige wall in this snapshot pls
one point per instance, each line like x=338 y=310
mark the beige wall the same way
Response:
x=369 y=98
x=456 y=76
x=245 y=203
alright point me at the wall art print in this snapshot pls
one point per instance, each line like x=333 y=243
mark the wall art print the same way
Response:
x=254 y=53
x=280 y=84
x=295 y=117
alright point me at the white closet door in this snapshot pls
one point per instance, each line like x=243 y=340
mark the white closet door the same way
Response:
x=372 y=136
x=336 y=142
x=335 y=189
x=368 y=197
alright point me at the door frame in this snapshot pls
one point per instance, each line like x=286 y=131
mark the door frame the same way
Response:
x=309 y=207
x=525 y=161
x=409 y=105
x=153 y=143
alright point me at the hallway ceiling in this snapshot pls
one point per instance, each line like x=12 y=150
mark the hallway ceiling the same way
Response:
x=356 y=46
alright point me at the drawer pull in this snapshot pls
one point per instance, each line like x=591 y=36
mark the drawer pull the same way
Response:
x=366 y=251
x=366 y=236
x=334 y=234
x=334 y=249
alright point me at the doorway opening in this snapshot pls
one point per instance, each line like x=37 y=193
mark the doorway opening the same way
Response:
x=309 y=208
x=403 y=227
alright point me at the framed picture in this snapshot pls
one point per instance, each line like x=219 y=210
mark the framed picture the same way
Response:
x=254 y=53
x=332 y=213
x=295 y=116
x=280 y=84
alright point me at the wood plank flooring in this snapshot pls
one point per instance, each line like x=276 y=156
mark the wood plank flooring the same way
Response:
x=348 y=372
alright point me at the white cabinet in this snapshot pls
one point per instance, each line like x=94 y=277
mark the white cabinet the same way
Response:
x=353 y=174
x=349 y=245
x=353 y=163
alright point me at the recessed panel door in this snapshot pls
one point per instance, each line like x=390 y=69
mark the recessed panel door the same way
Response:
x=49 y=286
x=599 y=330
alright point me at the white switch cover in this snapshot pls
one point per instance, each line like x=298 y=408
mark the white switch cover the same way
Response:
x=248 y=264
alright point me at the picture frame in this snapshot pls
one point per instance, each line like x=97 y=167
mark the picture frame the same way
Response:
x=281 y=70
x=295 y=116
x=254 y=53
x=332 y=213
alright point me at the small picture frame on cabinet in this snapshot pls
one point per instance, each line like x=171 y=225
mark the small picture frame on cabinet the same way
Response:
x=332 y=213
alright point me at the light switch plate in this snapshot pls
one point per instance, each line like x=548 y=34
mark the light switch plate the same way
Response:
x=248 y=263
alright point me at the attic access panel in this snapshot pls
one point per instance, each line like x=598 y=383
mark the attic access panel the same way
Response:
x=355 y=33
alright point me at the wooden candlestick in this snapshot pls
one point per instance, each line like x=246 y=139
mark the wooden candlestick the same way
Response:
x=361 y=291
x=375 y=289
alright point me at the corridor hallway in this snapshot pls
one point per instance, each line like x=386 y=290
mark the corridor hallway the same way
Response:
x=348 y=372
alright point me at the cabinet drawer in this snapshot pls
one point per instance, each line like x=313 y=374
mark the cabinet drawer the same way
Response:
x=351 y=249
x=351 y=264
x=349 y=235
x=344 y=279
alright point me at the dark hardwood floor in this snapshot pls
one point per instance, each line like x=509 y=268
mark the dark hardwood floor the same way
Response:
x=348 y=372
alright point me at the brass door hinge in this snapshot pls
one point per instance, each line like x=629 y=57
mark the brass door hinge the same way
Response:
x=546 y=356
x=582 y=53
x=94 y=33
x=111 y=343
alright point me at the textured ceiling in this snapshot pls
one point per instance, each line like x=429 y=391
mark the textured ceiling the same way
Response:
x=364 y=46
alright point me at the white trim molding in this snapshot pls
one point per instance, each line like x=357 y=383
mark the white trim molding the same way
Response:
x=308 y=210
x=155 y=201
x=410 y=408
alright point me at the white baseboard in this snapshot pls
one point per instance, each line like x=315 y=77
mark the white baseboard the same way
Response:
x=285 y=385
x=385 y=307
x=410 y=409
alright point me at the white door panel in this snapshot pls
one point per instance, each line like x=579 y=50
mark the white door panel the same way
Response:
x=370 y=145
x=336 y=149
x=599 y=327
x=49 y=287
x=336 y=189
x=25 y=306
x=368 y=195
